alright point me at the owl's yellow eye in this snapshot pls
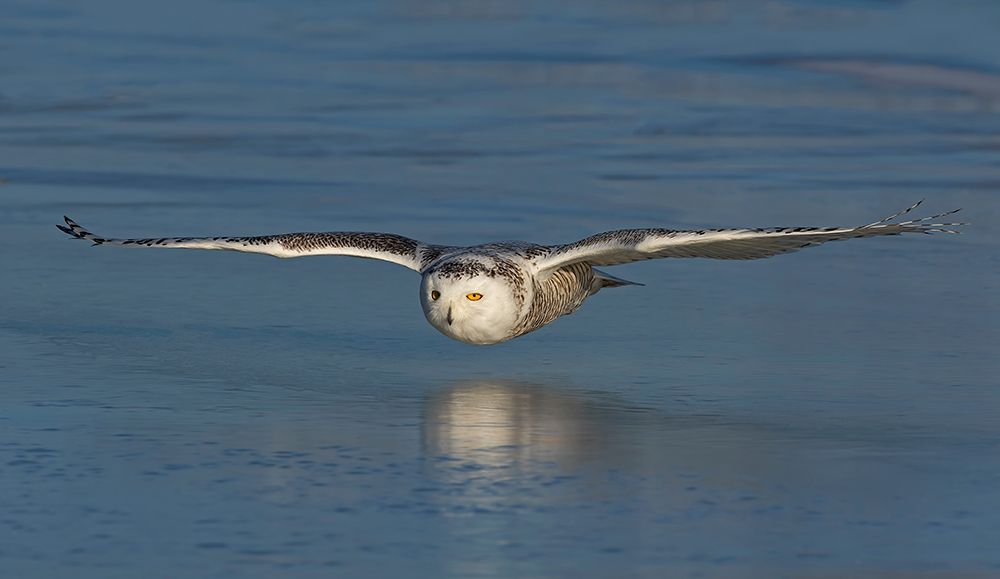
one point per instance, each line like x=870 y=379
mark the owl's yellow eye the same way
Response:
x=435 y=295
x=474 y=297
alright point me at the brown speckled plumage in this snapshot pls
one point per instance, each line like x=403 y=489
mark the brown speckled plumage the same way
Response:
x=382 y=242
x=558 y=295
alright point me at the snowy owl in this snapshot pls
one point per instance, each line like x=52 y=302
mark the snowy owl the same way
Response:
x=491 y=293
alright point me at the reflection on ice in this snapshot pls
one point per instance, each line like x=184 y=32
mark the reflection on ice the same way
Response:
x=504 y=424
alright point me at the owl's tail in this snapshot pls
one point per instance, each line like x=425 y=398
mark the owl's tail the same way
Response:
x=603 y=280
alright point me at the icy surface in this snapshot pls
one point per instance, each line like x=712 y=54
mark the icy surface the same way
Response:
x=166 y=414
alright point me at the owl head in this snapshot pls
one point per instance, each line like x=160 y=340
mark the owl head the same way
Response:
x=471 y=302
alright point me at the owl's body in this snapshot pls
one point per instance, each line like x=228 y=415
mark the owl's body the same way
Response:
x=506 y=274
x=491 y=293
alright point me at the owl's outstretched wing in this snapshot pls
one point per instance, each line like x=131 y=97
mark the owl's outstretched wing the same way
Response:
x=628 y=245
x=383 y=246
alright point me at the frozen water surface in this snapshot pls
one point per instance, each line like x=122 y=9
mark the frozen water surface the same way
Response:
x=826 y=414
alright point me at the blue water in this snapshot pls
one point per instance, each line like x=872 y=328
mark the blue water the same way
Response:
x=831 y=413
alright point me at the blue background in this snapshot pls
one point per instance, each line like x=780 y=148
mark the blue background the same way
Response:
x=205 y=414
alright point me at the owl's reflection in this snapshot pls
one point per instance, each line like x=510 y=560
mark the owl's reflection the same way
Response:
x=506 y=424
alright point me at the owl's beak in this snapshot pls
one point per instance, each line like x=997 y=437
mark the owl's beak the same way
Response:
x=450 y=319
